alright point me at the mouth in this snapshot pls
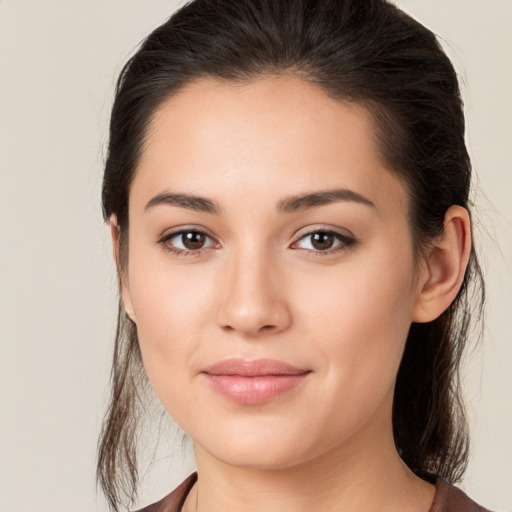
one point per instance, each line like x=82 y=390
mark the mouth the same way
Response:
x=253 y=382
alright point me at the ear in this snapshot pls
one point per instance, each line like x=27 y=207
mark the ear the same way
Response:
x=444 y=266
x=124 y=288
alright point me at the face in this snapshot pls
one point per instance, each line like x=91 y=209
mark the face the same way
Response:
x=270 y=271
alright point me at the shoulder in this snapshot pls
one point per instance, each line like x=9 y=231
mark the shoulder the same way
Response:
x=173 y=501
x=449 y=498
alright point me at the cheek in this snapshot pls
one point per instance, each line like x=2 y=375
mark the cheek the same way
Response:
x=361 y=320
x=171 y=308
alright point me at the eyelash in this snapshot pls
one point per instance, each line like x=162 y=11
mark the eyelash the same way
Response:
x=346 y=242
x=182 y=252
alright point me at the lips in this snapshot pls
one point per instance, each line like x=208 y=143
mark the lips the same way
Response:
x=253 y=382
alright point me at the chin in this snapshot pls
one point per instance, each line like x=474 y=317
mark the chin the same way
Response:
x=257 y=448
x=262 y=459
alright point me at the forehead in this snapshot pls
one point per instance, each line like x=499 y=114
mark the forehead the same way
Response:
x=264 y=136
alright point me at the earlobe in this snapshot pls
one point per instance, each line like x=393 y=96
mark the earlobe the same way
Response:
x=444 y=266
x=115 y=232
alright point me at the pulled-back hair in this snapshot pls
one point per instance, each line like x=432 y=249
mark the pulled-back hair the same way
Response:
x=367 y=52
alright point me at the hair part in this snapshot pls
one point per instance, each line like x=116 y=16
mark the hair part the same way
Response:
x=368 y=53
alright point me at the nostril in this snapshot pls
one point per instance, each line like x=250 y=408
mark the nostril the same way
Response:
x=252 y=313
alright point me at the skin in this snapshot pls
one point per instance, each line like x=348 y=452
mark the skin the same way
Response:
x=259 y=288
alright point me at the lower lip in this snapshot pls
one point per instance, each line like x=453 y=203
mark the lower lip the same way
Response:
x=253 y=390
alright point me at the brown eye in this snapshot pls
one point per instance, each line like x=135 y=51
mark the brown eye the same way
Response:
x=325 y=242
x=322 y=241
x=187 y=242
x=193 y=240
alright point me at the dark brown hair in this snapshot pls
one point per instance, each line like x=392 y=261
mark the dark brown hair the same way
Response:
x=368 y=52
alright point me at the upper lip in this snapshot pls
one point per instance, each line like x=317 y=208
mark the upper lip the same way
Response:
x=254 y=368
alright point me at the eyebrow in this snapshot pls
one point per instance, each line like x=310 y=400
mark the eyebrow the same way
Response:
x=287 y=205
x=303 y=202
x=196 y=203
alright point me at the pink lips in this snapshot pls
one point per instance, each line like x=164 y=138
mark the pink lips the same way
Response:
x=253 y=382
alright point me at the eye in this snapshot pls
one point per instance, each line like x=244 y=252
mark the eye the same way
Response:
x=325 y=241
x=187 y=241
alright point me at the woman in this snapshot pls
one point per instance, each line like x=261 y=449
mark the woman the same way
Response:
x=287 y=189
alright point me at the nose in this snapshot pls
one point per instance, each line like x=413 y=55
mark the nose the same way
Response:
x=254 y=298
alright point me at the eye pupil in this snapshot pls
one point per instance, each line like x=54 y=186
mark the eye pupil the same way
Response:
x=322 y=240
x=193 y=240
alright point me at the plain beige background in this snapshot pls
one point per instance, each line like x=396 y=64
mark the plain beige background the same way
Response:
x=58 y=63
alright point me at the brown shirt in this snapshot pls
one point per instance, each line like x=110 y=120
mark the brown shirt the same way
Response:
x=447 y=499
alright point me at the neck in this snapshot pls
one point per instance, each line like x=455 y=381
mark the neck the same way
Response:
x=359 y=475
